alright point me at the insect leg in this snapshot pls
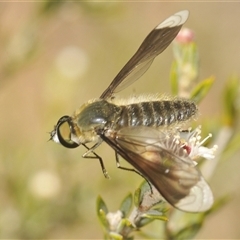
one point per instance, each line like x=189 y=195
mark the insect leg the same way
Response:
x=133 y=170
x=96 y=156
x=90 y=150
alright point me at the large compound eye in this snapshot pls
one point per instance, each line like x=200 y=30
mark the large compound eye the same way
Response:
x=64 y=131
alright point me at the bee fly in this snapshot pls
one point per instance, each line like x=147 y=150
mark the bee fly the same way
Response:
x=139 y=130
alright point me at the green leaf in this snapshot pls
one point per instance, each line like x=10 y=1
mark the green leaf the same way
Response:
x=101 y=205
x=230 y=96
x=48 y=7
x=136 y=197
x=201 y=90
x=188 y=233
x=144 y=221
x=155 y=215
x=125 y=227
x=126 y=205
x=145 y=189
x=103 y=219
x=141 y=192
x=115 y=236
x=219 y=203
x=102 y=212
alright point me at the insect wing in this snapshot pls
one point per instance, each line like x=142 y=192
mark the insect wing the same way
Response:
x=155 y=43
x=165 y=164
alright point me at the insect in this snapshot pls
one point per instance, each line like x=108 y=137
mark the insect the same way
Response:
x=139 y=130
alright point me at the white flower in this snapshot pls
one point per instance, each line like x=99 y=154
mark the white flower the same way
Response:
x=192 y=143
x=114 y=219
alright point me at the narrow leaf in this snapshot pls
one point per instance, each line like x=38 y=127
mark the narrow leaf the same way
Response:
x=231 y=95
x=156 y=217
x=201 y=90
x=103 y=219
x=126 y=205
x=125 y=227
x=101 y=205
x=102 y=212
x=115 y=236
x=136 y=198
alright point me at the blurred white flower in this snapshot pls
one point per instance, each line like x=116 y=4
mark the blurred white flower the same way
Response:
x=45 y=184
x=72 y=62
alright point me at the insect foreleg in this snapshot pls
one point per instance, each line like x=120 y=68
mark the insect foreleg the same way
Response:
x=96 y=156
x=132 y=170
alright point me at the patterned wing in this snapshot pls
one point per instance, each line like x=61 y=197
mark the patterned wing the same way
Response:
x=158 y=155
x=155 y=43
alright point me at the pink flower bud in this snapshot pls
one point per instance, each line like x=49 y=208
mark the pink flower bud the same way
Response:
x=186 y=35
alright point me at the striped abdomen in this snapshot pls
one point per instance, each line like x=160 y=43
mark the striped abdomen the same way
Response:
x=157 y=113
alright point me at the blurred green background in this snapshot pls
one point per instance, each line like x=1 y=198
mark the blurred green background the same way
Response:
x=56 y=56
